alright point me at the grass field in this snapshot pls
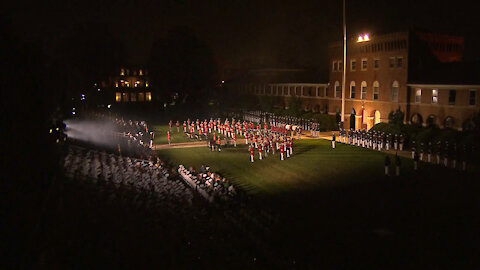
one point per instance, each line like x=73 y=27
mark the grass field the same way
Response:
x=176 y=137
x=314 y=163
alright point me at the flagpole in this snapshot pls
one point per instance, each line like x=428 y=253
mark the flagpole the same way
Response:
x=344 y=63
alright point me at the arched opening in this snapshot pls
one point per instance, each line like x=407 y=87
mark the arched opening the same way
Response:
x=316 y=108
x=395 y=87
x=352 y=118
x=338 y=90
x=363 y=90
x=449 y=122
x=416 y=119
x=468 y=125
x=431 y=120
x=376 y=90
x=352 y=89
x=376 y=119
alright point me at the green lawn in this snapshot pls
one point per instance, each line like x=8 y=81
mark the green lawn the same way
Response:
x=176 y=137
x=314 y=164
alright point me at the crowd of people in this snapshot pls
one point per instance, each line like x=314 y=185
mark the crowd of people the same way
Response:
x=440 y=152
x=209 y=184
x=146 y=177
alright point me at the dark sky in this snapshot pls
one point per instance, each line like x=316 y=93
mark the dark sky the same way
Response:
x=269 y=33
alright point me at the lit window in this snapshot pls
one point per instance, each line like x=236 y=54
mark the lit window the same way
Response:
x=146 y=84
x=435 y=96
x=116 y=84
x=399 y=62
x=149 y=96
x=353 y=65
x=118 y=96
x=127 y=84
x=364 y=64
x=338 y=90
x=376 y=88
x=122 y=72
x=391 y=62
x=472 y=100
x=352 y=89
x=133 y=97
x=376 y=63
x=141 y=97
x=140 y=72
x=125 y=97
x=418 y=95
x=452 y=96
x=364 y=90
x=395 y=91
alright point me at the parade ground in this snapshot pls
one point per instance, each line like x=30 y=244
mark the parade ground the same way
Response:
x=314 y=164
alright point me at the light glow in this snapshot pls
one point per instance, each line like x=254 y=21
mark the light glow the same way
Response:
x=363 y=38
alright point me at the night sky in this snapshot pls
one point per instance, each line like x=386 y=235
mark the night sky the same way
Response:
x=242 y=32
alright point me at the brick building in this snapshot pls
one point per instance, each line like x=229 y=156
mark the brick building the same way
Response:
x=128 y=86
x=422 y=74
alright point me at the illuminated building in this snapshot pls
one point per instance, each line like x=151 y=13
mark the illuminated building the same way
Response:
x=422 y=74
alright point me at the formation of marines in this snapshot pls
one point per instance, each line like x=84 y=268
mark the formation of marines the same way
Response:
x=262 y=139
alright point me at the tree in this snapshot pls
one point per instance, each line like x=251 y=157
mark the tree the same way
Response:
x=396 y=117
x=181 y=63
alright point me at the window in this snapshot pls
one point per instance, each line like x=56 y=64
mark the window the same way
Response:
x=334 y=68
x=418 y=95
x=125 y=97
x=118 y=96
x=452 y=96
x=435 y=96
x=353 y=65
x=146 y=84
x=352 y=89
x=376 y=63
x=364 y=90
x=376 y=87
x=340 y=65
x=140 y=72
x=325 y=91
x=116 y=84
x=141 y=96
x=399 y=62
x=395 y=91
x=148 y=96
x=338 y=90
x=298 y=91
x=391 y=62
x=364 y=64
x=472 y=98
x=122 y=72
x=133 y=97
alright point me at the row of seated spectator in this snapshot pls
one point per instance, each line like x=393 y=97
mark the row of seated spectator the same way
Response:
x=144 y=176
x=208 y=184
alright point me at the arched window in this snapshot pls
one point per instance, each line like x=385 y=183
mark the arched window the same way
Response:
x=364 y=90
x=395 y=87
x=376 y=90
x=338 y=90
x=352 y=89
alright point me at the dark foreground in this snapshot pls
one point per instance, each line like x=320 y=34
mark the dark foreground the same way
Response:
x=384 y=224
